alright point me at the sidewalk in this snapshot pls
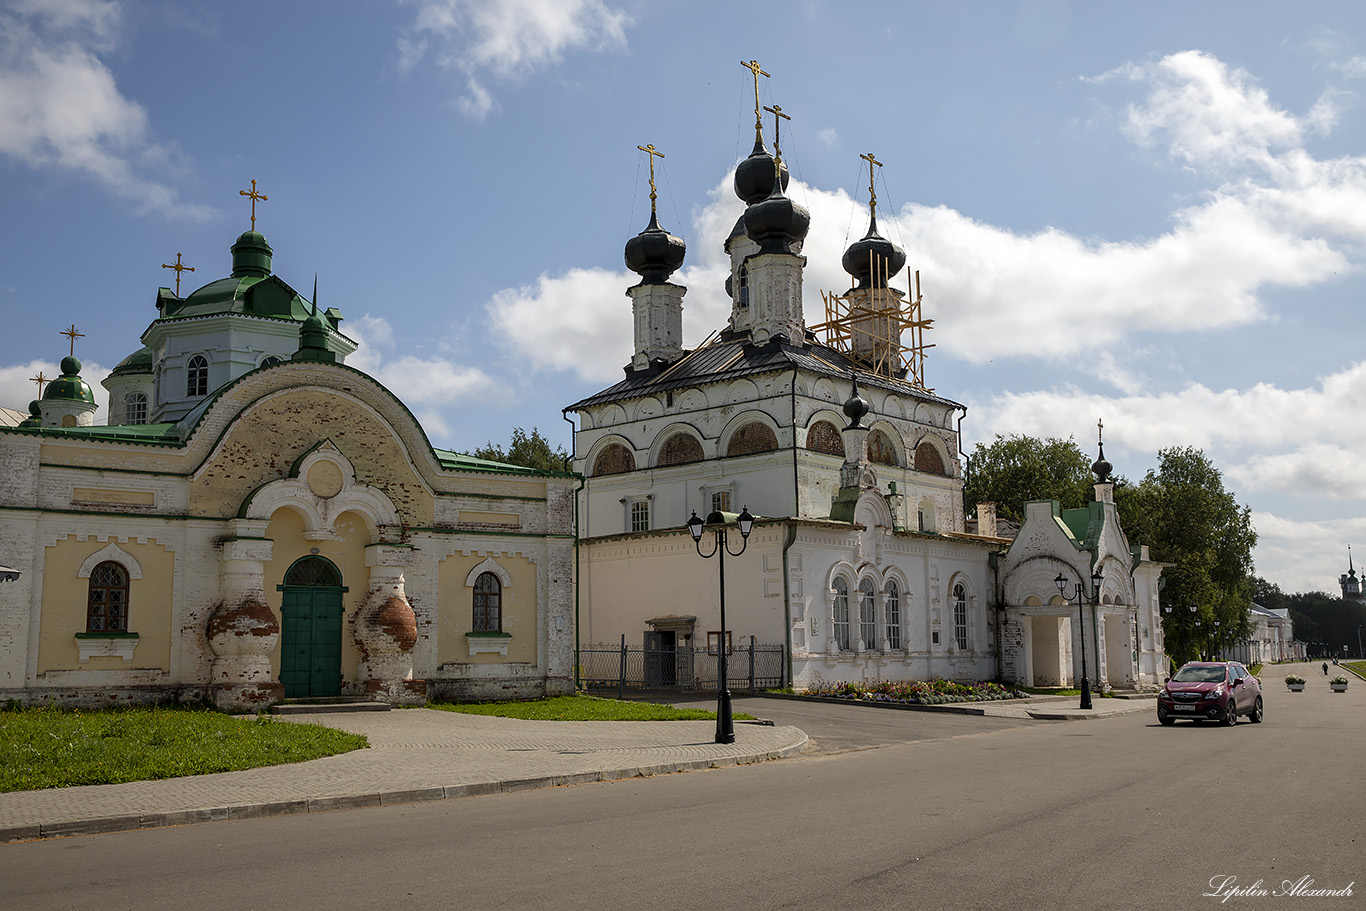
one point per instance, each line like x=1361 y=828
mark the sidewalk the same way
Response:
x=414 y=755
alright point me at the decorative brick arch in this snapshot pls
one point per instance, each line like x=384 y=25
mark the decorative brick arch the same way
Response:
x=929 y=459
x=824 y=436
x=751 y=438
x=614 y=458
x=680 y=448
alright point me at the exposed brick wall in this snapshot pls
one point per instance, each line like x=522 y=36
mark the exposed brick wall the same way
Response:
x=927 y=459
x=680 y=449
x=755 y=436
x=825 y=437
x=615 y=459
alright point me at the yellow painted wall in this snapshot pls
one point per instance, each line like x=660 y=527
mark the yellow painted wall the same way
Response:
x=264 y=442
x=286 y=529
x=64 y=606
x=456 y=614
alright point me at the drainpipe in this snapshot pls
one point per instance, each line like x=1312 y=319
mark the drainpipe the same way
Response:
x=578 y=566
x=789 y=539
x=967 y=464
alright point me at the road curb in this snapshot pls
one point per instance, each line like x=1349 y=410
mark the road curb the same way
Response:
x=127 y=823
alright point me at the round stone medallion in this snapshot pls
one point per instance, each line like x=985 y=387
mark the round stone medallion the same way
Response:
x=324 y=479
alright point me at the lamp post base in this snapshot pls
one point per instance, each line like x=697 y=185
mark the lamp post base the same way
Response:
x=1085 y=693
x=725 y=721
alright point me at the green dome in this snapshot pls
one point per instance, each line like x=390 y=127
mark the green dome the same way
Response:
x=251 y=255
x=69 y=386
x=140 y=361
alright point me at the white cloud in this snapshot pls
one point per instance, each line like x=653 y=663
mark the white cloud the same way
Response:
x=1305 y=556
x=61 y=109
x=506 y=38
x=1207 y=113
x=430 y=387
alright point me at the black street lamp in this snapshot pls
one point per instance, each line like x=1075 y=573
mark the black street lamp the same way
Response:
x=725 y=723
x=1061 y=583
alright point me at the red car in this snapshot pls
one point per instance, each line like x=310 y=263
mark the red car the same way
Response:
x=1210 y=691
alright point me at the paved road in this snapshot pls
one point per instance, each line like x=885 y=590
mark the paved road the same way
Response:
x=1109 y=813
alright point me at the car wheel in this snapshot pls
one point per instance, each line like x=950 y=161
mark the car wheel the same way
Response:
x=1166 y=719
x=1257 y=711
x=1230 y=713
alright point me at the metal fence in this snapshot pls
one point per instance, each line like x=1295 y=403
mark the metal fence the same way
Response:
x=688 y=670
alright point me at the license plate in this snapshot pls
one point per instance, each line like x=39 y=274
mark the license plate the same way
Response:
x=1183 y=708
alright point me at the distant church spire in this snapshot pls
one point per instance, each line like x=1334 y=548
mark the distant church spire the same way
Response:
x=1351 y=585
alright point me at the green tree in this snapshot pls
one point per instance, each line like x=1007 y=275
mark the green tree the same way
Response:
x=1013 y=470
x=1190 y=522
x=529 y=451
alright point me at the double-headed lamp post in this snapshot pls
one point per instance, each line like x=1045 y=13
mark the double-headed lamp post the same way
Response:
x=1078 y=589
x=725 y=722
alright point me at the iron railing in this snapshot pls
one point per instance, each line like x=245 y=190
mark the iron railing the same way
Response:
x=750 y=666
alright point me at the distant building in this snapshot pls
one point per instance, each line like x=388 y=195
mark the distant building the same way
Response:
x=1351 y=585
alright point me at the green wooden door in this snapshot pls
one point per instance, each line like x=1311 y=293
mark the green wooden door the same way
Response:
x=310 y=644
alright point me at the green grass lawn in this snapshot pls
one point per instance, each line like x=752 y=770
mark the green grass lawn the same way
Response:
x=582 y=708
x=57 y=748
x=1358 y=666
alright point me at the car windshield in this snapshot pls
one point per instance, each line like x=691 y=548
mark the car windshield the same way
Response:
x=1199 y=675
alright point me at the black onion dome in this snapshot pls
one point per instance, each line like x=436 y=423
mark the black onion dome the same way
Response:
x=1101 y=468
x=776 y=223
x=856 y=259
x=856 y=407
x=754 y=175
x=654 y=253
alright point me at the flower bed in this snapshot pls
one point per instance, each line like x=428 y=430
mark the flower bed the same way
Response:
x=921 y=692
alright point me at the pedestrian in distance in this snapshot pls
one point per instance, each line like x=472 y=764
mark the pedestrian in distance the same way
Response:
x=1325 y=668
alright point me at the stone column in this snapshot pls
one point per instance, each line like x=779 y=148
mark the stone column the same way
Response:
x=386 y=629
x=242 y=630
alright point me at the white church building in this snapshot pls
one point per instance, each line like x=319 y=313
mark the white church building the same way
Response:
x=861 y=565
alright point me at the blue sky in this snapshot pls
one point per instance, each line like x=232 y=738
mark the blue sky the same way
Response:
x=1153 y=214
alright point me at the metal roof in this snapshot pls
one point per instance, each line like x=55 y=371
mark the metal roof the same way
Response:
x=733 y=355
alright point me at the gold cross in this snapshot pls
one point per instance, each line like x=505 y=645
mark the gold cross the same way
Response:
x=872 y=193
x=253 y=195
x=753 y=67
x=40 y=380
x=653 y=152
x=178 y=269
x=778 y=118
x=73 y=335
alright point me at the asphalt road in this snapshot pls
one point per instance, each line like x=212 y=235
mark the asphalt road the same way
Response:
x=1106 y=813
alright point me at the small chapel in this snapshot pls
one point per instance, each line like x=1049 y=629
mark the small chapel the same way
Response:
x=862 y=564
x=257 y=521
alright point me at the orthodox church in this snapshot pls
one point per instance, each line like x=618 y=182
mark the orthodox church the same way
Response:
x=861 y=565
x=259 y=521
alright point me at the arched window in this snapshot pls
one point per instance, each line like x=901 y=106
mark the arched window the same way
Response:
x=614 y=459
x=488 y=604
x=197 y=375
x=313 y=571
x=880 y=449
x=270 y=360
x=742 y=298
x=960 y=615
x=867 y=615
x=680 y=449
x=135 y=408
x=891 y=602
x=752 y=438
x=927 y=459
x=106 y=605
x=840 y=627
x=824 y=437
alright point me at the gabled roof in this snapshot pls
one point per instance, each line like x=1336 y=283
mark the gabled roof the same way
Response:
x=732 y=356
